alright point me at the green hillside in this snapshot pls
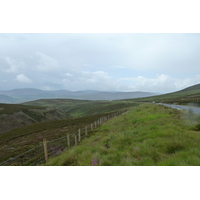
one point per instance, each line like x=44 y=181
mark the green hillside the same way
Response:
x=147 y=135
x=194 y=88
x=21 y=139
x=79 y=108
x=185 y=96
x=17 y=115
x=24 y=126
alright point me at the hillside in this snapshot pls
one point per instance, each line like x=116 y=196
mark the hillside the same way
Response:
x=80 y=108
x=21 y=139
x=18 y=115
x=116 y=95
x=6 y=99
x=26 y=94
x=14 y=116
x=194 y=88
x=190 y=95
x=148 y=135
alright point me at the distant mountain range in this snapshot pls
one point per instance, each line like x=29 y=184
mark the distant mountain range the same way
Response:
x=29 y=94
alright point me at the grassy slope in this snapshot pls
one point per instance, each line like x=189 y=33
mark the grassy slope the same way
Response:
x=185 y=96
x=80 y=108
x=145 y=135
x=13 y=108
x=22 y=139
x=17 y=115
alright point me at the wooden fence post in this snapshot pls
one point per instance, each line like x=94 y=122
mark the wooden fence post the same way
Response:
x=79 y=134
x=95 y=124
x=68 y=140
x=75 y=139
x=45 y=150
x=86 y=131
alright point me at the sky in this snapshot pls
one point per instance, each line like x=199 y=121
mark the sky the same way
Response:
x=151 y=62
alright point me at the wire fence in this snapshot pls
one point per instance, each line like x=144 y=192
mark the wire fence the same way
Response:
x=32 y=157
x=47 y=149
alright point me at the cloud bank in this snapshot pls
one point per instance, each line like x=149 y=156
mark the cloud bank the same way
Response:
x=120 y=62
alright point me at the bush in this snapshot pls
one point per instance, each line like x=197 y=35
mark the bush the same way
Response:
x=196 y=127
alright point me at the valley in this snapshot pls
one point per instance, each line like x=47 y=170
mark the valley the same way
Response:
x=137 y=137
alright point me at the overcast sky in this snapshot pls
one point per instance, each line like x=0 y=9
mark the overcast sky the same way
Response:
x=120 y=62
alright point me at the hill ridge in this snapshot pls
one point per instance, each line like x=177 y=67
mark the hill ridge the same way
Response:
x=186 y=96
x=30 y=94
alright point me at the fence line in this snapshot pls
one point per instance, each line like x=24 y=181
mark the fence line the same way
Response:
x=41 y=153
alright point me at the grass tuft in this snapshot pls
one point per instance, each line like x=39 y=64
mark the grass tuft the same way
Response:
x=148 y=135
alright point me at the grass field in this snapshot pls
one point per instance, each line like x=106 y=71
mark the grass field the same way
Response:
x=147 y=135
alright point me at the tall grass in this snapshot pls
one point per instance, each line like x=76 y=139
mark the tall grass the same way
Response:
x=147 y=135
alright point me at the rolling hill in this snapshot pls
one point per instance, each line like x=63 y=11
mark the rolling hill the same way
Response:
x=30 y=94
x=14 y=116
x=23 y=126
x=116 y=95
x=80 y=108
x=18 y=115
x=151 y=131
x=6 y=99
x=189 y=95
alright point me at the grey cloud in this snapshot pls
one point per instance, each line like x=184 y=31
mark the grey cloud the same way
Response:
x=101 y=61
x=98 y=80
x=161 y=83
